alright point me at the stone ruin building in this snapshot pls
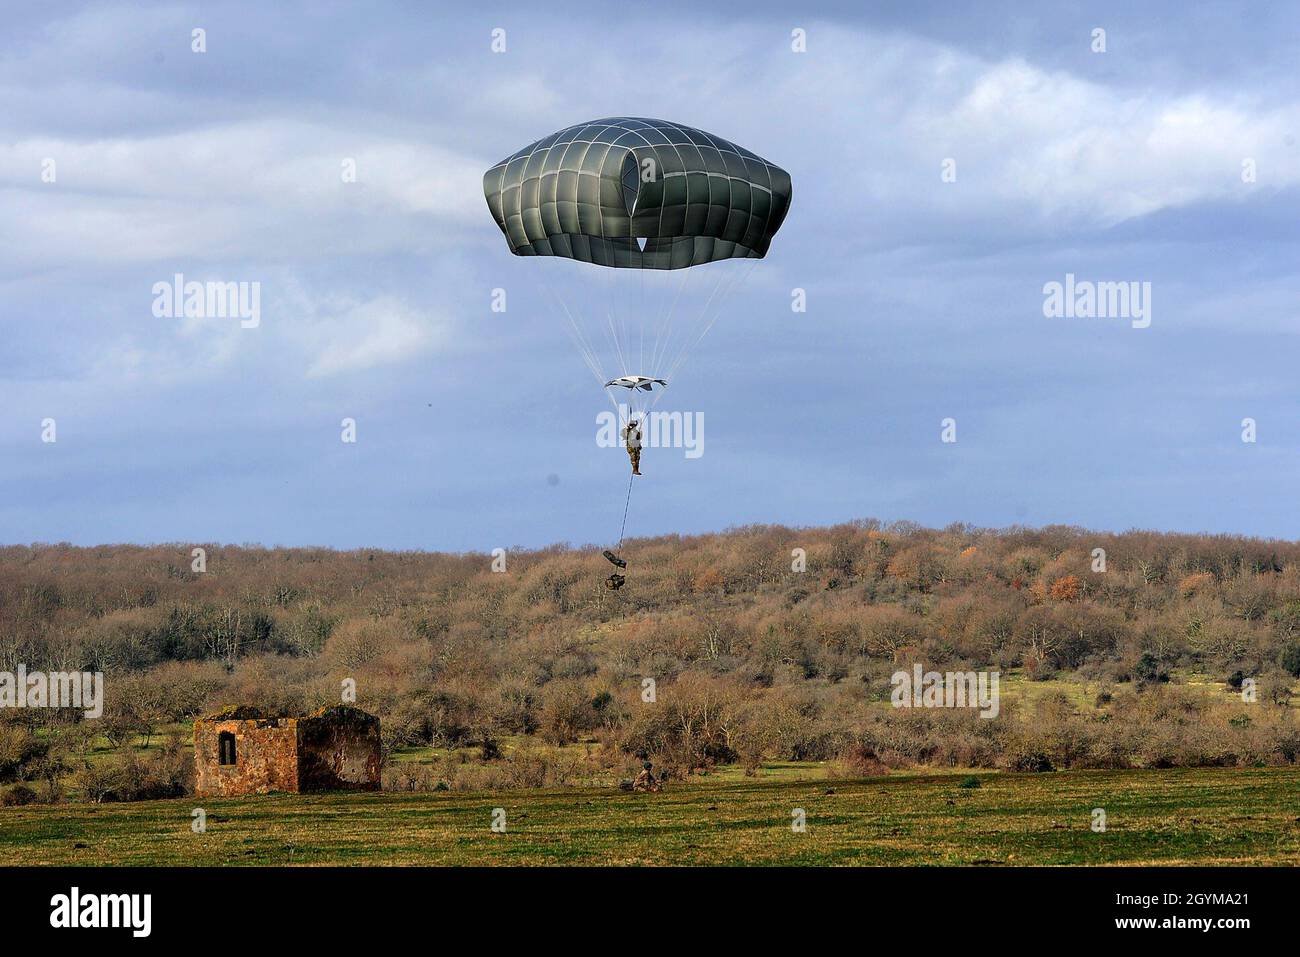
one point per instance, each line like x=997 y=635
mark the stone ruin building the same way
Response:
x=247 y=751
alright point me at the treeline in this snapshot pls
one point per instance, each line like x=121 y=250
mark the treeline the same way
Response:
x=761 y=642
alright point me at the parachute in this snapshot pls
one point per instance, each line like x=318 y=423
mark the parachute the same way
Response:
x=666 y=210
x=637 y=194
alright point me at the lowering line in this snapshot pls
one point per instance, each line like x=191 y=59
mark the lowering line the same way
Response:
x=615 y=581
x=622 y=531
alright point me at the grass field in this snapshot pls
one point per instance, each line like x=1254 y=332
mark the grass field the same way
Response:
x=1223 y=817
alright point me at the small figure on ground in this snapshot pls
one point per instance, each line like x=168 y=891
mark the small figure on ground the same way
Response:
x=646 y=781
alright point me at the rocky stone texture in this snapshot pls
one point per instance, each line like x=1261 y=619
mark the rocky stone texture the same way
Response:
x=332 y=749
x=338 y=750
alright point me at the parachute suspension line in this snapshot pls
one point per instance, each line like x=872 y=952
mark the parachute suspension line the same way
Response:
x=625 y=338
x=575 y=333
x=721 y=276
x=616 y=341
x=662 y=337
x=628 y=328
x=737 y=280
x=625 y=335
x=709 y=321
x=691 y=323
x=588 y=353
x=641 y=309
x=604 y=305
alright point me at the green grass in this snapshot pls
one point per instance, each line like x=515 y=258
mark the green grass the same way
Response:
x=1221 y=816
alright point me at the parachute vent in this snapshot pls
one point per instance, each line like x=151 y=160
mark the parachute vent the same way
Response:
x=630 y=184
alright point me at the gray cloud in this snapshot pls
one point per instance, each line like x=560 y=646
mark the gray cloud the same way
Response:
x=924 y=297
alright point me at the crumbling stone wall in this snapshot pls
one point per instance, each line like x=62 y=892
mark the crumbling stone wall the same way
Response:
x=332 y=749
x=338 y=749
x=266 y=756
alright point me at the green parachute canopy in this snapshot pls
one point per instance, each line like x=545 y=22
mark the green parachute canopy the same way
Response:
x=637 y=194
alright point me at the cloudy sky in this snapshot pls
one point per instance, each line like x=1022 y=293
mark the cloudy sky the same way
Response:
x=1171 y=158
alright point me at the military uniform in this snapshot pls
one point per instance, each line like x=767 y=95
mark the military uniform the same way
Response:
x=632 y=438
x=646 y=781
